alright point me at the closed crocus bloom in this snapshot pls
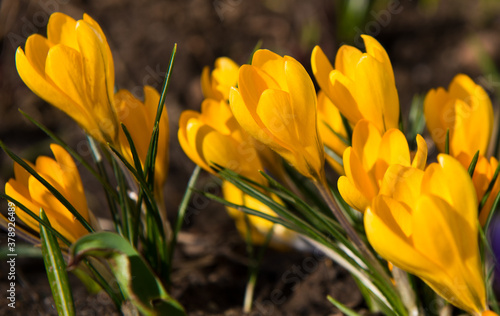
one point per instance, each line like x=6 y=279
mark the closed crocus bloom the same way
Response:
x=361 y=85
x=366 y=162
x=63 y=175
x=332 y=130
x=139 y=118
x=216 y=84
x=425 y=222
x=275 y=102
x=214 y=137
x=283 y=238
x=465 y=110
x=73 y=70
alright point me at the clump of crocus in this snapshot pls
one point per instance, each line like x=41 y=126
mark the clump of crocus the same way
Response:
x=63 y=175
x=361 y=85
x=414 y=207
x=367 y=160
x=72 y=69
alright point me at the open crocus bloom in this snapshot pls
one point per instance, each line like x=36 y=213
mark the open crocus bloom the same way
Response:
x=214 y=137
x=216 y=85
x=366 y=162
x=275 y=102
x=361 y=85
x=426 y=224
x=63 y=175
x=466 y=111
x=332 y=130
x=139 y=118
x=73 y=70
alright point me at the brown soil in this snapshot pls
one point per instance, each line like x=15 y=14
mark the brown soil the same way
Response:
x=428 y=45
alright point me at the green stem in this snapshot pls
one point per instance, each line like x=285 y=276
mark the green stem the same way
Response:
x=327 y=195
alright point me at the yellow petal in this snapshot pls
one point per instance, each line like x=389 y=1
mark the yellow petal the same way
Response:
x=347 y=59
x=355 y=171
x=342 y=95
x=61 y=29
x=377 y=98
x=321 y=68
x=37 y=47
x=366 y=141
x=373 y=48
x=393 y=149
x=387 y=238
x=302 y=102
x=434 y=102
x=351 y=194
x=420 y=159
x=273 y=65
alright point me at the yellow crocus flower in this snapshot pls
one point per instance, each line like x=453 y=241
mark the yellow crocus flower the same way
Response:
x=139 y=118
x=63 y=175
x=465 y=110
x=216 y=84
x=332 y=130
x=425 y=222
x=275 y=102
x=366 y=162
x=214 y=137
x=361 y=85
x=73 y=70
x=282 y=237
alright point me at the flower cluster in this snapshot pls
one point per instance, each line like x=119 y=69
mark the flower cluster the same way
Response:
x=266 y=123
x=405 y=202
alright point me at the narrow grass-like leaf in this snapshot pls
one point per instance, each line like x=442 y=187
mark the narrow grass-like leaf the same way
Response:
x=344 y=309
x=492 y=212
x=132 y=273
x=96 y=155
x=153 y=144
x=342 y=138
x=22 y=250
x=56 y=270
x=347 y=127
x=180 y=215
x=133 y=151
x=473 y=163
x=490 y=187
x=49 y=187
x=447 y=142
x=127 y=216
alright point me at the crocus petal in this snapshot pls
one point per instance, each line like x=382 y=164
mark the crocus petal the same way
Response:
x=351 y=194
x=321 y=68
x=61 y=29
x=420 y=159
x=393 y=149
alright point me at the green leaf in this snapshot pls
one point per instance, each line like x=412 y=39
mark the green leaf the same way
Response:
x=56 y=270
x=136 y=279
x=473 y=163
x=344 y=309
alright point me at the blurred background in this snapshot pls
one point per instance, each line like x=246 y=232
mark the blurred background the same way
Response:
x=429 y=42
